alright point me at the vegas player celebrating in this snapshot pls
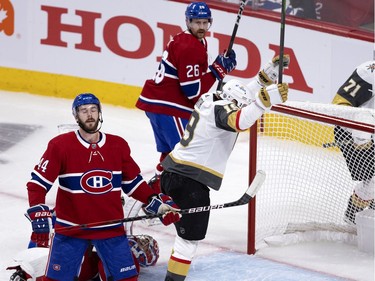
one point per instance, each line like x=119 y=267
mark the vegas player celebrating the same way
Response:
x=183 y=75
x=358 y=147
x=92 y=168
x=198 y=161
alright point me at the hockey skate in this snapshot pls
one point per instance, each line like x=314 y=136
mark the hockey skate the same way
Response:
x=354 y=206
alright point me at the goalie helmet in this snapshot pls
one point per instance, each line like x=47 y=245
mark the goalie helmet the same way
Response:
x=238 y=91
x=145 y=249
x=198 y=10
x=85 y=98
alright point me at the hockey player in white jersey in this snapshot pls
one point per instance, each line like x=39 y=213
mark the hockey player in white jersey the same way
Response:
x=358 y=147
x=197 y=163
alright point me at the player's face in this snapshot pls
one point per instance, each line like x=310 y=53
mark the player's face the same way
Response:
x=198 y=27
x=88 y=116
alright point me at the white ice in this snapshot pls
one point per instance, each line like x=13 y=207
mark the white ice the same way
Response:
x=221 y=256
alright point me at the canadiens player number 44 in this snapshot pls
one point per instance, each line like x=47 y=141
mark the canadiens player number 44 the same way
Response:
x=245 y=198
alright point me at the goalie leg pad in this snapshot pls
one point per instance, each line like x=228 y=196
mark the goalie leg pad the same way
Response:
x=89 y=269
x=32 y=261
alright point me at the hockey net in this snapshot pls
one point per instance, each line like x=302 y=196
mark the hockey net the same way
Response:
x=308 y=183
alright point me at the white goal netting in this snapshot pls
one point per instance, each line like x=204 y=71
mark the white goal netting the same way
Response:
x=308 y=182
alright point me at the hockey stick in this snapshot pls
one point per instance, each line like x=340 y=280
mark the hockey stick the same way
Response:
x=340 y=144
x=334 y=144
x=234 y=32
x=245 y=198
x=282 y=39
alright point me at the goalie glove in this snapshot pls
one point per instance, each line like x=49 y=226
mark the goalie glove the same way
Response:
x=164 y=205
x=274 y=94
x=269 y=73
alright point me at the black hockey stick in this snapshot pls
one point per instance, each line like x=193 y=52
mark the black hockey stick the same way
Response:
x=337 y=144
x=234 y=32
x=282 y=39
x=249 y=194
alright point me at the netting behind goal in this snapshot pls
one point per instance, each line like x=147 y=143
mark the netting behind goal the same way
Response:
x=308 y=183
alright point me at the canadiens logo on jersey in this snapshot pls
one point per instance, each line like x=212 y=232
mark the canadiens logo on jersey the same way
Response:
x=97 y=181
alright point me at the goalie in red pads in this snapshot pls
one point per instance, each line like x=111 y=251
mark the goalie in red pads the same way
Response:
x=31 y=263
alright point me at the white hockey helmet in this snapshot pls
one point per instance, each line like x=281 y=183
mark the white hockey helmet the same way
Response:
x=145 y=249
x=238 y=91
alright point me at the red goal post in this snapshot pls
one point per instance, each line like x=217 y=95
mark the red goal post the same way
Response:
x=308 y=183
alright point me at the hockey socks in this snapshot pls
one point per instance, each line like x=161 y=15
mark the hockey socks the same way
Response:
x=177 y=269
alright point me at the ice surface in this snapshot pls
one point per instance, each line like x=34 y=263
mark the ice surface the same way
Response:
x=221 y=256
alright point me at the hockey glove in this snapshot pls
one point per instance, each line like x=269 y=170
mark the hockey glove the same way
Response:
x=273 y=94
x=270 y=72
x=163 y=204
x=223 y=65
x=41 y=221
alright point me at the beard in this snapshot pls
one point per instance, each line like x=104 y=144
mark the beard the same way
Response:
x=90 y=126
x=200 y=33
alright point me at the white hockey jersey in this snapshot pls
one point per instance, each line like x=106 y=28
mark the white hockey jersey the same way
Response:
x=209 y=138
x=358 y=89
